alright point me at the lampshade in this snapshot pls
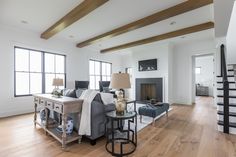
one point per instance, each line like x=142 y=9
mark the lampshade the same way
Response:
x=120 y=81
x=57 y=82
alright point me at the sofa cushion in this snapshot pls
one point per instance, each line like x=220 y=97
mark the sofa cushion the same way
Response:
x=98 y=98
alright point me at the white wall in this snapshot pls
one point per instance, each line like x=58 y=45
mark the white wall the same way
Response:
x=77 y=65
x=231 y=38
x=206 y=76
x=151 y=51
x=183 y=70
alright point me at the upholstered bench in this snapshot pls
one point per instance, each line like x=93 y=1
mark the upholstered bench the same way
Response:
x=153 y=111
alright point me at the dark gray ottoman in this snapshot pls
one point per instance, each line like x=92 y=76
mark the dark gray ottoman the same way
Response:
x=153 y=110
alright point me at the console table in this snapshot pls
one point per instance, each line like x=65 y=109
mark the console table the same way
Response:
x=63 y=106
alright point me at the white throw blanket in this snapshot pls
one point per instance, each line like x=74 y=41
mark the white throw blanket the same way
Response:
x=107 y=98
x=85 y=121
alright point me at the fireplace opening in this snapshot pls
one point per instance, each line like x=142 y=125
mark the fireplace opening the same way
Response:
x=148 y=91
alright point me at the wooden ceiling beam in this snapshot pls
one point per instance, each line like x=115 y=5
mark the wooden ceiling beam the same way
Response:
x=173 y=34
x=77 y=13
x=159 y=16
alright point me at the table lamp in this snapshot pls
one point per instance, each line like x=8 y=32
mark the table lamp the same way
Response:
x=57 y=82
x=120 y=81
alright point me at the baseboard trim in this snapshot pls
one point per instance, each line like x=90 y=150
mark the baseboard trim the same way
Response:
x=15 y=113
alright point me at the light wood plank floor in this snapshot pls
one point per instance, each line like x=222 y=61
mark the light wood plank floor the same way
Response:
x=190 y=131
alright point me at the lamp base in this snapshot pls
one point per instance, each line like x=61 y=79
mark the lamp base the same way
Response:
x=56 y=96
x=120 y=113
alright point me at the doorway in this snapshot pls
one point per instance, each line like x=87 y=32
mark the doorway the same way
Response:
x=204 y=76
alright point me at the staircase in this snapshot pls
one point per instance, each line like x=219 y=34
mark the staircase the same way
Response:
x=226 y=96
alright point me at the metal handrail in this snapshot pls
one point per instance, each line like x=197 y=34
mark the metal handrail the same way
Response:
x=225 y=89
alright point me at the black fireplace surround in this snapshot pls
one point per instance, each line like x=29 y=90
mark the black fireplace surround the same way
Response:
x=158 y=82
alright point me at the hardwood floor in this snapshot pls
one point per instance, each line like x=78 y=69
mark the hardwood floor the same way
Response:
x=190 y=131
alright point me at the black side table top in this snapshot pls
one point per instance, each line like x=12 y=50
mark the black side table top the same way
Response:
x=126 y=115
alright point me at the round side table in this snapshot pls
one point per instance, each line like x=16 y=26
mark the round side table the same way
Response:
x=121 y=139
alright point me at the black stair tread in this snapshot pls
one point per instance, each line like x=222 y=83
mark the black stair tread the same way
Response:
x=233 y=125
x=222 y=82
x=230 y=104
x=227 y=76
x=231 y=96
x=229 y=89
x=230 y=69
x=230 y=113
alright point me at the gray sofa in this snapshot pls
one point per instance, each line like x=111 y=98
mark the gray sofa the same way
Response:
x=98 y=119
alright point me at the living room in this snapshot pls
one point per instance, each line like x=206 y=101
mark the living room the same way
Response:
x=170 y=53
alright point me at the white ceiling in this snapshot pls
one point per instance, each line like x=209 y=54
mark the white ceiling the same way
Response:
x=41 y=14
x=222 y=14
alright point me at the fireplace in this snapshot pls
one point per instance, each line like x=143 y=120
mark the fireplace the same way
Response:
x=149 y=88
x=148 y=91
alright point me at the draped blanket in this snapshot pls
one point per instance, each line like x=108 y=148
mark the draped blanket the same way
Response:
x=85 y=121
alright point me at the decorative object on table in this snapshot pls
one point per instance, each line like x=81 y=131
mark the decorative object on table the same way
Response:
x=69 y=126
x=42 y=114
x=147 y=65
x=51 y=122
x=120 y=81
x=57 y=82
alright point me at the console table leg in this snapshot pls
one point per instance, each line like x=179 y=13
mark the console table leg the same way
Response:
x=64 y=131
x=80 y=139
x=46 y=120
x=35 y=114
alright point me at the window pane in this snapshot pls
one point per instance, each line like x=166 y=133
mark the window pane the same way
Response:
x=97 y=68
x=60 y=64
x=198 y=70
x=35 y=61
x=91 y=67
x=49 y=63
x=108 y=78
x=22 y=83
x=104 y=68
x=61 y=76
x=108 y=69
x=104 y=78
x=35 y=83
x=92 y=82
x=97 y=82
x=21 y=59
x=48 y=82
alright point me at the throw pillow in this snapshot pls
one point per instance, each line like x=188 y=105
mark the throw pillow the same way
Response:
x=106 y=90
x=79 y=92
x=70 y=93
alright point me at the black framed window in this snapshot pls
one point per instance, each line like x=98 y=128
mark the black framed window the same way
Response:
x=99 y=71
x=35 y=70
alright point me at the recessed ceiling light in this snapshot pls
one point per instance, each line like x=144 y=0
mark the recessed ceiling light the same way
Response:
x=173 y=23
x=71 y=36
x=24 y=22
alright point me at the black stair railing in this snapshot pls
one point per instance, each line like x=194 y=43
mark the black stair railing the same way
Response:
x=225 y=89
